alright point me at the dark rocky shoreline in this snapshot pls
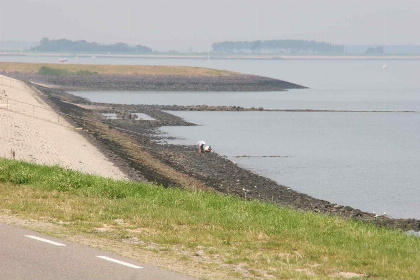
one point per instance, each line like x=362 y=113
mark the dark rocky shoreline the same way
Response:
x=142 y=82
x=122 y=139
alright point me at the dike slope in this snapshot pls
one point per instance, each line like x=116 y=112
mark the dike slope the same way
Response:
x=34 y=132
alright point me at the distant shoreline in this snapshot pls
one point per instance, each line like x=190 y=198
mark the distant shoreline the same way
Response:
x=205 y=56
x=141 y=77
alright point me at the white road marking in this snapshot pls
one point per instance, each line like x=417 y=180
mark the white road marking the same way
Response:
x=45 y=240
x=119 y=262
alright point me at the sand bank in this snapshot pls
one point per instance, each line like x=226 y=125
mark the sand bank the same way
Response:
x=30 y=128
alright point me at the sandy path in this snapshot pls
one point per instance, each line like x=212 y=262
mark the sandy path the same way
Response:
x=39 y=135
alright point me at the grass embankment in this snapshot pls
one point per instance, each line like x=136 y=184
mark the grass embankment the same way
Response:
x=113 y=69
x=203 y=232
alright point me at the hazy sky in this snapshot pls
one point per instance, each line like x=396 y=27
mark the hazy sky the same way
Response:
x=166 y=25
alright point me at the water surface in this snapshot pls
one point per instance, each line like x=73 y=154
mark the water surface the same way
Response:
x=367 y=160
x=315 y=99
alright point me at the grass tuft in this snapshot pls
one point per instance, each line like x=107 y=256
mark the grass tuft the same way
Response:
x=84 y=73
x=44 y=70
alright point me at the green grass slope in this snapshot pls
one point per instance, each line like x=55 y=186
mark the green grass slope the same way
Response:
x=223 y=237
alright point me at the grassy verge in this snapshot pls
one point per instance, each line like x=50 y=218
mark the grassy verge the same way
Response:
x=112 y=69
x=203 y=232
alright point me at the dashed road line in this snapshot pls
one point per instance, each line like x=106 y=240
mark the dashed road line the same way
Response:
x=45 y=240
x=119 y=262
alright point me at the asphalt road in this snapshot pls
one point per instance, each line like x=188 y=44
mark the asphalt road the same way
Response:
x=25 y=254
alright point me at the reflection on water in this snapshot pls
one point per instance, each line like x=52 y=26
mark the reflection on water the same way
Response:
x=137 y=116
x=110 y=116
x=144 y=117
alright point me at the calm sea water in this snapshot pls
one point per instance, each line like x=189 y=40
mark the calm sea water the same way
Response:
x=317 y=99
x=369 y=161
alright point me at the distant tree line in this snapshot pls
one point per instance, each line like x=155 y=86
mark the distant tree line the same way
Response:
x=277 y=46
x=375 y=50
x=64 y=45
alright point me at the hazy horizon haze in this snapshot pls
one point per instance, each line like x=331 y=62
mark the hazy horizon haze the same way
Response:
x=195 y=25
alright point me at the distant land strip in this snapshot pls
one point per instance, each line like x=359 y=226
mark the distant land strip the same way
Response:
x=112 y=69
x=140 y=78
x=212 y=56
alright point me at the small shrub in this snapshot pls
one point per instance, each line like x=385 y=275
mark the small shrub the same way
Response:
x=44 y=70
x=85 y=72
x=20 y=176
x=19 y=179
